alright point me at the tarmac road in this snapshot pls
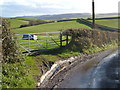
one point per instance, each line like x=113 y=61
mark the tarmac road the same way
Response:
x=105 y=74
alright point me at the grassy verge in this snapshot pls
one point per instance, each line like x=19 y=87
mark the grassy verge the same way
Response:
x=27 y=74
x=17 y=76
x=98 y=49
x=60 y=54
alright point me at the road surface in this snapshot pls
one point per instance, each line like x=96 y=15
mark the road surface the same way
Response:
x=105 y=74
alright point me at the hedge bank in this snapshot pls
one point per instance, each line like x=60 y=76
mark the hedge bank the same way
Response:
x=88 y=38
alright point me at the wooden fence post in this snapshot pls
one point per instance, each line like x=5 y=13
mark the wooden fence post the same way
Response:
x=66 y=39
x=60 y=39
x=29 y=43
x=46 y=40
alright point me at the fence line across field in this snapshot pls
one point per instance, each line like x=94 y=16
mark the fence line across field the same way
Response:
x=46 y=40
x=39 y=33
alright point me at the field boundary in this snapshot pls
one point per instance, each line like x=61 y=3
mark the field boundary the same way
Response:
x=97 y=26
x=46 y=41
x=105 y=18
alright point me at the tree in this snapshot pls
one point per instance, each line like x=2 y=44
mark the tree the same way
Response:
x=10 y=50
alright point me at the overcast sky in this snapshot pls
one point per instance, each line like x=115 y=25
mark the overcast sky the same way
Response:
x=11 y=8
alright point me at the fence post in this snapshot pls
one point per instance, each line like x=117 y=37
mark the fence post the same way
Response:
x=46 y=40
x=60 y=39
x=29 y=43
x=66 y=39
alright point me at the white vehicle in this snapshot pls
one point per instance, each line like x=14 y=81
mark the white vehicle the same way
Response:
x=29 y=37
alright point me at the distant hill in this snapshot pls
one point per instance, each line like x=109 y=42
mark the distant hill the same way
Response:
x=69 y=15
x=60 y=16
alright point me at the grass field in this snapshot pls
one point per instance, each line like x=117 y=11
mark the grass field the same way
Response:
x=51 y=27
x=43 y=42
x=104 y=16
x=108 y=22
x=16 y=23
x=29 y=19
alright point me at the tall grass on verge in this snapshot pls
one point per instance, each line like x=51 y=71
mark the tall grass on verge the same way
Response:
x=14 y=71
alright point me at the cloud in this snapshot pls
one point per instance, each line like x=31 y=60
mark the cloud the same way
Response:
x=19 y=2
x=55 y=6
x=32 y=7
x=30 y=2
x=29 y=7
x=20 y=10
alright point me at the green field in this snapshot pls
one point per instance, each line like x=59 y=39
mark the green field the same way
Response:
x=105 y=16
x=46 y=41
x=108 y=22
x=51 y=27
x=27 y=19
x=43 y=42
x=14 y=23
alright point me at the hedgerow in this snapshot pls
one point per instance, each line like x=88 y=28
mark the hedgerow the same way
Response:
x=14 y=71
x=86 y=38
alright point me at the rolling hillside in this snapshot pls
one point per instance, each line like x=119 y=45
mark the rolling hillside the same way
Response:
x=16 y=23
x=70 y=15
x=27 y=19
x=51 y=27
x=108 y=22
x=60 y=16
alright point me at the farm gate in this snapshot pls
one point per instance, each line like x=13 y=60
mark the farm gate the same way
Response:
x=47 y=40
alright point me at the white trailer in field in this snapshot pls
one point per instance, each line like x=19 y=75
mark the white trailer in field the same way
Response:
x=29 y=37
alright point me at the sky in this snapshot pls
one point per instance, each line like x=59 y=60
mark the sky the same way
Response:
x=13 y=8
